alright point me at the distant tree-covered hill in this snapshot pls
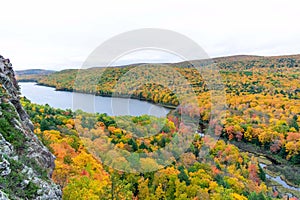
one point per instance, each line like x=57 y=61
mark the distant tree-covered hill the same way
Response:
x=32 y=74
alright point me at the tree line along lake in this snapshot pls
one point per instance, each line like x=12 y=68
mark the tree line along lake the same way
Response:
x=88 y=102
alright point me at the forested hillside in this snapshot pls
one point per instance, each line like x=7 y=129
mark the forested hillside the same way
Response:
x=262 y=96
x=222 y=173
x=262 y=116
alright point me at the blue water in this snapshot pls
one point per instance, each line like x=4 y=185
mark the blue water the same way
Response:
x=89 y=103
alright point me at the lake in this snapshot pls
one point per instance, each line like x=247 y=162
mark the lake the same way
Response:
x=88 y=102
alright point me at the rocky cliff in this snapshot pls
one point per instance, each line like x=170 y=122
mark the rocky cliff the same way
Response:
x=26 y=164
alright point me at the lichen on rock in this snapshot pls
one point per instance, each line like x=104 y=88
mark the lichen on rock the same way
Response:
x=26 y=165
x=3 y=196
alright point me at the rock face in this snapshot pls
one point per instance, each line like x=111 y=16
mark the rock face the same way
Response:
x=26 y=165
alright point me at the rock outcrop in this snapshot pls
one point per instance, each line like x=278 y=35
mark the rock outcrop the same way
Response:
x=26 y=165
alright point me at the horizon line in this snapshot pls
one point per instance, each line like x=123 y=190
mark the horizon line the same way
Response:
x=175 y=62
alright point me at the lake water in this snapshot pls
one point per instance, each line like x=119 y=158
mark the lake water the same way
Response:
x=89 y=103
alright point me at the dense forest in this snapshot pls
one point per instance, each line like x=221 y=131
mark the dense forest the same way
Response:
x=223 y=173
x=261 y=116
x=262 y=95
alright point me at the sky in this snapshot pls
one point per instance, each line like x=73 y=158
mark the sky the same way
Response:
x=62 y=34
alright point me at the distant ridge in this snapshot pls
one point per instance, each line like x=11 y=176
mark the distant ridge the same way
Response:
x=34 y=72
x=236 y=58
x=222 y=59
x=232 y=58
x=252 y=57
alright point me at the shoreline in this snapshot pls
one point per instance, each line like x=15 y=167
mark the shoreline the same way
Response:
x=171 y=107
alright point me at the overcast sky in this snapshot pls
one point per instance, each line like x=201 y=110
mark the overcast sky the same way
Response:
x=61 y=34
